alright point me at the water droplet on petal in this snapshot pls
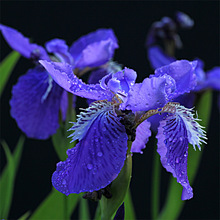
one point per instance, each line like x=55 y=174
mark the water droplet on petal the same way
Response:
x=89 y=166
x=177 y=160
x=64 y=182
x=99 y=154
x=181 y=138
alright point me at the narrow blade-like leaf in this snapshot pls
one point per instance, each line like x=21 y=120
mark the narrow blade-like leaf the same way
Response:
x=8 y=176
x=6 y=67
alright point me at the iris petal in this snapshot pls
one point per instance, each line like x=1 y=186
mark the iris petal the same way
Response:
x=94 y=49
x=63 y=74
x=21 y=44
x=60 y=49
x=183 y=72
x=142 y=136
x=151 y=93
x=174 y=134
x=173 y=150
x=158 y=58
x=36 y=117
x=98 y=157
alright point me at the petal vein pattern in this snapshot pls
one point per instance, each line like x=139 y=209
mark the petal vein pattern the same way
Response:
x=98 y=157
x=63 y=74
x=174 y=134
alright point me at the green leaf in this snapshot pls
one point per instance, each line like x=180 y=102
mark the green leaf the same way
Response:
x=129 y=209
x=60 y=141
x=98 y=212
x=84 y=209
x=173 y=203
x=8 y=176
x=25 y=216
x=6 y=67
x=56 y=206
x=119 y=189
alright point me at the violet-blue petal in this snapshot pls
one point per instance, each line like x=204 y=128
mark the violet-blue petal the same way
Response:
x=63 y=74
x=150 y=94
x=183 y=72
x=143 y=133
x=184 y=20
x=94 y=49
x=158 y=58
x=37 y=115
x=60 y=49
x=21 y=44
x=98 y=157
x=96 y=75
x=173 y=150
x=211 y=80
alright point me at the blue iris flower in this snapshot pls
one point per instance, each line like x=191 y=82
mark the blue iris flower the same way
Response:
x=36 y=98
x=99 y=156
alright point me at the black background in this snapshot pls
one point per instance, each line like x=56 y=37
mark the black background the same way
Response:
x=43 y=21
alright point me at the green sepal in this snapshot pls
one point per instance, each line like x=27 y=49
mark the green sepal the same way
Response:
x=8 y=175
x=56 y=206
x=6 y=67
x=119 y=188
x=173 y=204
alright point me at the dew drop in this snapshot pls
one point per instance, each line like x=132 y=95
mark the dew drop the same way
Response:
x=177 y=160
x=181 y=138
x=64 y=182
x=89 y=166
x=99 y=154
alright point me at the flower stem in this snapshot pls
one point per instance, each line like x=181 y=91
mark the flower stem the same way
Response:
x=155 y=197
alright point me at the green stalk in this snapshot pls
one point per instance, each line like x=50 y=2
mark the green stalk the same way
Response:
x=155 y=197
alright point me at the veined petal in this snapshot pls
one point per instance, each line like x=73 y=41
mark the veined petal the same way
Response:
x=195 y=133
x=63 y=74
x=142 y=136
x=98 y=157
x=183 y=72
x=150 y=94
x=173 y=150
x=158 y=58
x=35 y=104
x=174 y=134
x=21 y=44
x=60 y=49
x=94 y=49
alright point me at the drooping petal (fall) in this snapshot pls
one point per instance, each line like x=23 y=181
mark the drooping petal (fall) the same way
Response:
x=98 y=157
x=35 y=104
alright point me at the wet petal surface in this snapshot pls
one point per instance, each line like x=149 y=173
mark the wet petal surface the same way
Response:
x=143 y=133
x=63 y=74
x=98 y=157
x=35 y=104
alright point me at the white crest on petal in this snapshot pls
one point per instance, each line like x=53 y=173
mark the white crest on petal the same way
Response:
x=196 y=134
x=86 y=118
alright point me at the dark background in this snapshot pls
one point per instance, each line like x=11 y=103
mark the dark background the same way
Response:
x=43 y=21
